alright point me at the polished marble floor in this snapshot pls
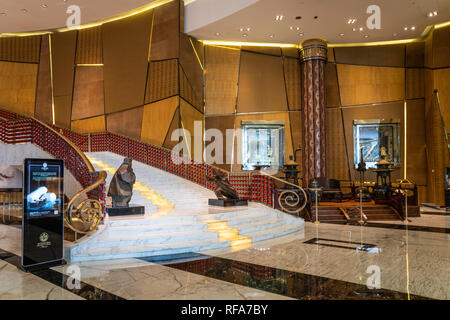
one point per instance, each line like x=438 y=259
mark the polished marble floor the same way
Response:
x=324 y=261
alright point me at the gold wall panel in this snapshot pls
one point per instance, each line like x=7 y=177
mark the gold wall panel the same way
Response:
x=88 y=95
x=18 y=87
x=415 y=83
x=162 y=80
x=192 y=69
x=189 y=115
x=221 y=123
x=365 y=85
x=441 y=48
x=127 y=123
x=166 y=32
x=174 y=125
x=330 y=55
x=91 y=125
x=261 y=84
x=281 y=116
x=386 y=111
x=290 y=52
x=442 y=84
x=293 y=87
x=337 y=165
x=222 y=70
x=429 y=52
x=187 y=91
x=157 y=119
x=43 y=110
x=20 y=49
x=388 y=56
x=275 y=51
x=125 y=53
x=331 y=86
x=415 y=54
x=89 y=46
x=63 y=61
x=416 y=143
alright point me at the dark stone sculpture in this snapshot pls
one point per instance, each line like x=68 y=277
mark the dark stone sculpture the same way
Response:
x=224 y=189
x=121 y=186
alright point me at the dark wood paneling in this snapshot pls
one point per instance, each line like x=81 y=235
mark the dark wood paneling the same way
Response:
x=88 y=96
x=43 y=109
x=89 y=47
x=276 y=51
x=293 y=87
x=63 y=66
x=222 y=123
x=390 y=56
x=127 y=123
x=337 y=165
x=166 y=32
x=125 y=52
x=261 y=84
x=162 y=80
x=20 y=49
x=416 y=143
x=331 y=86
x=290 y=52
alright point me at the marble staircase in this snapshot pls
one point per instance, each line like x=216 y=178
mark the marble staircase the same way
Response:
x=182 y=223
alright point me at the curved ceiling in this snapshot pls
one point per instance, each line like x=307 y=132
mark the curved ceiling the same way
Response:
x=327 y=19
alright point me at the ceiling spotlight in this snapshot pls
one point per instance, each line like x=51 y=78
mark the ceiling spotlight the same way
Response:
x=361 y=28
x=354 y=29
x=430 y=14
x=395 y=34
x=241 y=29
x=279 y=17
x=351 y=21
x=3 y=14
x=405 y=28
x=366 y=36
x=298 y=28
x=413 y=28
x=435 y=13
x=217 y=33
x=291 y=27
x=24 y=10
x=301 y=34
x=245 y=35
x=44 y=5
x=271 y=36
x=341 y=34
x=248 y=29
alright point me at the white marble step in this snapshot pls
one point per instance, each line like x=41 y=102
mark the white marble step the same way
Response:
x=274 y=232
x=148 y=251
x=156 y=228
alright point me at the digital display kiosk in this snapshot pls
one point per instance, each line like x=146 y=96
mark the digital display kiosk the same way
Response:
x=43 y=213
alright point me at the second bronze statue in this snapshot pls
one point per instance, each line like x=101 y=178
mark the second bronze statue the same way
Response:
x=224 y=189
x=121 y=186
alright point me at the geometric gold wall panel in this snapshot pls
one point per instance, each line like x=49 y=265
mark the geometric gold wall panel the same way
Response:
x=222 y=68
x=63 y=60
x=187 y=91
x=125 y=53
x=89 y=46
x=442 y=84
x=274 y=51
x=88 y=95
x=221 y=123
x=18 y=87
x=192 y=68
x=337 y=167
x=293 y=87
x=162 y=80
x=331 y=86
x=156 y=120
x=127 y=123
x=20 y=49
x=261 y=84
x=189 y=115
x=415 y=54
x=365 y=85
x=174 y=125
x=96 y=124
x=388 y=56
x=441 y=48
x=43 y=109
x=416 y=142
x=166 y=32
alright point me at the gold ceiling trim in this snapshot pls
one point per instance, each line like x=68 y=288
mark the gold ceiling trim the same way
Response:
x=247 y=44
x=117 y=17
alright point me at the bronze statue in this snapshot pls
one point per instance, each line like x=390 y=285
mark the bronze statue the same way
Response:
x=121 y=186
x=224 y=189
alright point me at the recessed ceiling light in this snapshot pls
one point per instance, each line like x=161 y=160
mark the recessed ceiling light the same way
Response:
x=44 y=5
x=413 y=28
x=279 y=17
x=244 y=35
x=435 y=13
x=366 y=36
x=301 y=34
x=217 y=33
x=430 y=14
x=298 y=17
x=351 y=21
x=395 y=34
x=3 y=14
x=361 y=28
x=298 y=28
x=248 y=29
x=341 y=34
x=24 y=10
x=354 y=29
x=291 y=27
x=241 y=29
x=271 y=36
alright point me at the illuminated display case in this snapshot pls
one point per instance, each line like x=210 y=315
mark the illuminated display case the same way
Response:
x=262 y=144
x=376 y=138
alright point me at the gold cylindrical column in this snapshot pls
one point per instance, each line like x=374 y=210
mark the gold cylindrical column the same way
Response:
x=313 y=57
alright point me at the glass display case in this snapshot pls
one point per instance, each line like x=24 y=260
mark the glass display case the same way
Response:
x=262 y=144
x=377 y=138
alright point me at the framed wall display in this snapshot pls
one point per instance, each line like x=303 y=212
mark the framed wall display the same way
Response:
x=43 y=213
x=262 y=144
x=376 y=138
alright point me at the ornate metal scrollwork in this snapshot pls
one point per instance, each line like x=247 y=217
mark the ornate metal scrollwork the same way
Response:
x=289 y=200
x=86 y=217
